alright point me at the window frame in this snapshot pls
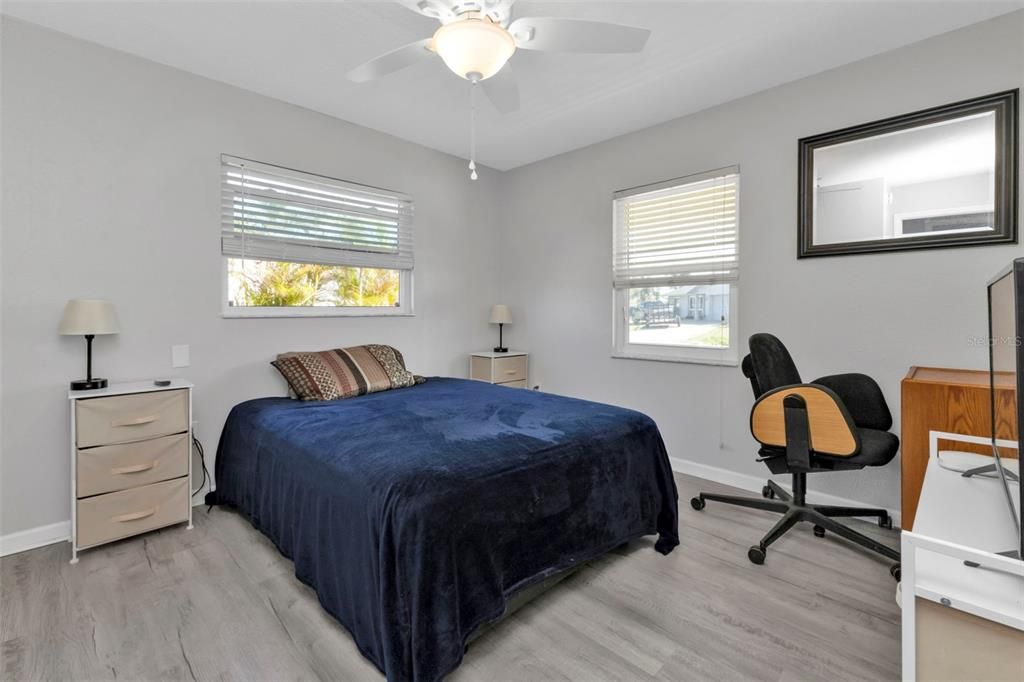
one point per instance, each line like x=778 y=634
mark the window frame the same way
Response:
x=728 y=356
x=406 y=288
x=405 y=308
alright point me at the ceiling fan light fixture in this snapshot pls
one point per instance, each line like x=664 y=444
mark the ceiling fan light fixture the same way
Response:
x=473 y=48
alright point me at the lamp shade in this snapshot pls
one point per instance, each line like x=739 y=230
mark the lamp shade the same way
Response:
x=500 y=314
x=89 y=316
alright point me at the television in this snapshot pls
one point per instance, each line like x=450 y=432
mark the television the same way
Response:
x=1006 y=382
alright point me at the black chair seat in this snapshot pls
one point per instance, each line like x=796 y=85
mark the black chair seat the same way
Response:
x=877 y=448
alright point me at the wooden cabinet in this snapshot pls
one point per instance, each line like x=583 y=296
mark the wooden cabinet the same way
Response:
x=954 y=401
x=507 y=369
x=131 y=461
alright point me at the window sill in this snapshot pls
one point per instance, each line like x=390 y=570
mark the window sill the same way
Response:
x=729 y=362
x=265 y=314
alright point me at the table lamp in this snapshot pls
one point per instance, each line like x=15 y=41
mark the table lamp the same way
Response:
x=500 y=316
x=88 y=317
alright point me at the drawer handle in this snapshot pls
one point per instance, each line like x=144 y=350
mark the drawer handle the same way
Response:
x=134 y=516
x=511 y=371
x=137 y=421
x=135 y=468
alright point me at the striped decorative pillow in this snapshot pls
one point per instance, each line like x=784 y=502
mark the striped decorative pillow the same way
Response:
x=344 y=372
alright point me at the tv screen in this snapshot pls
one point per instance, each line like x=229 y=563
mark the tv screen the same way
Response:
x=1006 y=374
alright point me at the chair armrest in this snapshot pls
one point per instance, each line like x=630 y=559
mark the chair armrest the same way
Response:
x=830 y=429
x=862 y=397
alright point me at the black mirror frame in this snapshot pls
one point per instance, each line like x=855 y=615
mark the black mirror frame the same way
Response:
x=1004 y=104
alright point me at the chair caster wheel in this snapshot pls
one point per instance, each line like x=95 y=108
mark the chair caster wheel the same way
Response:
x=895 y=572
x=819 y=532
x=768 y=492
x=885 y=522
x=756 y=555
x=697 y=503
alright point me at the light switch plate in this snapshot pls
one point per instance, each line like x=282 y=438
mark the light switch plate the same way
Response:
x=179 y=356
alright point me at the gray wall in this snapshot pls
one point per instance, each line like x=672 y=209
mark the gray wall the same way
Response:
x=852 y=211
x=111 y=189
x=873 y=313
x=964 y=191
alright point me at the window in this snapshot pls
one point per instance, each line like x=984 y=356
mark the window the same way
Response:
x=301 y=244
x=675 y=269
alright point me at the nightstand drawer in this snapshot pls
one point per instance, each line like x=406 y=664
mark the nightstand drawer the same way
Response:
x=509 y=369
x=117 y=515
x=125 y=418
x=108 y=468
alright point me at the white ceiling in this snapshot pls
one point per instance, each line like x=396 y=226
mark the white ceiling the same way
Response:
x=700 y=54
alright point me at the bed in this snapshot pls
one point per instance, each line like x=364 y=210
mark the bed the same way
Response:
x=418 y=514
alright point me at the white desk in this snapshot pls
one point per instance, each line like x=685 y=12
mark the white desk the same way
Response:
x=962 y=519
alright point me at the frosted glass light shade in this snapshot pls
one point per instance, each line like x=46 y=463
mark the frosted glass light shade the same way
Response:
x=500 y=314
x=474 y=49
x=89 y=316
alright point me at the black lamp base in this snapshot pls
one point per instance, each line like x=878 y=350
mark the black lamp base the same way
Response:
x=88 y=384
x=500 y=348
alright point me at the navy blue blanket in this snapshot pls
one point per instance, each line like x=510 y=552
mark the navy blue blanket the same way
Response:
x=416 y=513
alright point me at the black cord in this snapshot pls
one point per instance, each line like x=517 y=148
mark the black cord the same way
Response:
x=202 y=461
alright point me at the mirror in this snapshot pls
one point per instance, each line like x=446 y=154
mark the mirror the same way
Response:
x=941 y=177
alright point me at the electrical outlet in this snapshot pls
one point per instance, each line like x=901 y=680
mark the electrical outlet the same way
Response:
x=537 y=387
x=179 y=356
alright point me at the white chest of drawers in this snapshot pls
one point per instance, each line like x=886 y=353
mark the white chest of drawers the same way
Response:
x=507 y=369
x=131 y=461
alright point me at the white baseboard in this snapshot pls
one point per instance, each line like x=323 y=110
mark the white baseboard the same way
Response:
x=755 y=483
x=24 y=540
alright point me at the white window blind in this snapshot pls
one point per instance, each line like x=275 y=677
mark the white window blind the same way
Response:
x=682 y=231
x=274 y=213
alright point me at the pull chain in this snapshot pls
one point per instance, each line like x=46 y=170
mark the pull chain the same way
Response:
x=472 y=129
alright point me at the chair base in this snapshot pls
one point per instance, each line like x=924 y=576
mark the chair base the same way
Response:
x=794 y=510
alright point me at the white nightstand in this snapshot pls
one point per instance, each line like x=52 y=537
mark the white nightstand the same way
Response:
x=506 y=369
x=131 y=461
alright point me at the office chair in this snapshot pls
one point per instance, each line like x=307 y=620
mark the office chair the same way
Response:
x=835 y=423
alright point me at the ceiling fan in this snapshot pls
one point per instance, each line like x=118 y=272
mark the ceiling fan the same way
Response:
x=477 y=38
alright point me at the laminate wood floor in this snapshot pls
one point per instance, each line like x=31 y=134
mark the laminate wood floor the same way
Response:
x=220 y=603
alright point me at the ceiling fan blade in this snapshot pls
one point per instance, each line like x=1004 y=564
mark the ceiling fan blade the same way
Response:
x=503 y=90
x=576 y=35
x=435 y=9
x=396 y=60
